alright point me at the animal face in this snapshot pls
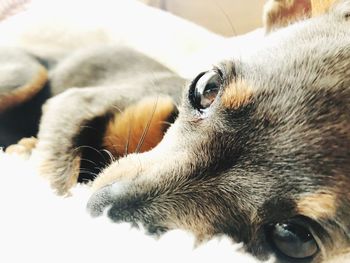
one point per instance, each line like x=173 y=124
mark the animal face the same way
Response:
x=259 y=151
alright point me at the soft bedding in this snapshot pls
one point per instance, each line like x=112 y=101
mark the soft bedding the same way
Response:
x=38 y=226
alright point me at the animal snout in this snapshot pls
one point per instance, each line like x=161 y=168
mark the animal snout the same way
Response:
x=108 y=197
x=124 y=202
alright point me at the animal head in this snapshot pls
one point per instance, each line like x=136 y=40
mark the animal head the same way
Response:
x=259 y=151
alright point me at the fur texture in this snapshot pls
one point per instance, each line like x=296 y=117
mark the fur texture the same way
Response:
x=241 y=164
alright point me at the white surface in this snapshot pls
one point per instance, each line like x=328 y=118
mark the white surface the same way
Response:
x=225 y=17
x=52 y=28
x=37 y=226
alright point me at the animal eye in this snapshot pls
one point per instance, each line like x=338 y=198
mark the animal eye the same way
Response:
x=293 y=240
x=204 y=89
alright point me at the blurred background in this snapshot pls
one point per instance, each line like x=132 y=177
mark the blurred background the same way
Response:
x=225 y=17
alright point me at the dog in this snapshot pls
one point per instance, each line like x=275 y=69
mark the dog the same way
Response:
x=255 y=148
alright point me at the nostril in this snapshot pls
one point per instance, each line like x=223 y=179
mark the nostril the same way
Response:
x=106 y=197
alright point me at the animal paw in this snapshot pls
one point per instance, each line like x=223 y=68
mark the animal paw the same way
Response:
x=23 y=148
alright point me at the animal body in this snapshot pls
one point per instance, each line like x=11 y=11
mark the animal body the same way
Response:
x=256 y=148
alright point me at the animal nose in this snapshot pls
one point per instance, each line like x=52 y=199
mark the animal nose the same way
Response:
x=99 y=201
x=106 y=197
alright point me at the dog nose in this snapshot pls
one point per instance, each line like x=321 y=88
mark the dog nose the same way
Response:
x=99 y=201
x=106 y=197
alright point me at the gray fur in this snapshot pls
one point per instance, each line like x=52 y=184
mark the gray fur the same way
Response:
x=17 y=68
x=106 y=79
x=235 y=171
x=231 y=171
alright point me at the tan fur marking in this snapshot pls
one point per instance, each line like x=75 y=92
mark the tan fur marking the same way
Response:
x=124 y=132
x=341 y=255
x=62 y=188
x=236 y=95
x=23 y=147
x=280 y=13
x=25 y=92
x=318 y=205
x=321 y=6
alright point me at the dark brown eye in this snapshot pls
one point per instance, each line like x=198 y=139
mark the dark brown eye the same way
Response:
x=204 y=89
x=293 y=240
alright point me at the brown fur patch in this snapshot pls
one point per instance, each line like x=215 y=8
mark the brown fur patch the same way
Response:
x=146 y=118
x=318 y=205
x=236 y=95
x=280 y=13
x=321 y=6
x=25 y=92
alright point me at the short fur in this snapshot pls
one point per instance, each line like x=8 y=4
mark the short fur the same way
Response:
x=272 y=147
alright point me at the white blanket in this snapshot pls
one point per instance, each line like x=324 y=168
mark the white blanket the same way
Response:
x=38 y=226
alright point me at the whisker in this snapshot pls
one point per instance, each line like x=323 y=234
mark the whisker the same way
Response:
x=116 y=146
x=99 y=169
x=96 y=166
x=90 y=147
x=146 y=129
x=117 y=108
x=83 y=171
x=126 y=151
x=227 y=18
x=88 y=160
x=140 y=165
x=167 y=122
x=87 y=127
x=112 y=158
x=152 y=80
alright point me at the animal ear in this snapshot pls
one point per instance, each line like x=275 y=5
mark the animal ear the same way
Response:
x=280 y=13
x=21 y=78
x=321 y=6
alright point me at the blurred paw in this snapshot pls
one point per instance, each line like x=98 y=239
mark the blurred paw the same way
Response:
x=23 y=148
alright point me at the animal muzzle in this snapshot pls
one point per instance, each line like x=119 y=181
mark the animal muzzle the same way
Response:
x=141 y=188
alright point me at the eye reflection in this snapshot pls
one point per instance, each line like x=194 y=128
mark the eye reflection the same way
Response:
x=293 y=240
x=205 y=89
